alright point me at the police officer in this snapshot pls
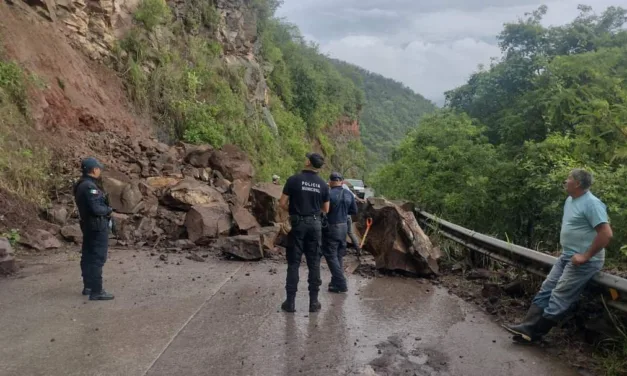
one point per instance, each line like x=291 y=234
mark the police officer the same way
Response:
x=306 y=197
x=95 y=217
x=342 y=206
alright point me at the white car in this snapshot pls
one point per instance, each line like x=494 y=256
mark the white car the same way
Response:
x=357 y=186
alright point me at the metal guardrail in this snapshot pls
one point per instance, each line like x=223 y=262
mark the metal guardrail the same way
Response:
x=533 y=261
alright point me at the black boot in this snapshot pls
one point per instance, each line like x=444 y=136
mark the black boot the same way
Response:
x=102 y=295
x=289 y=305
x=314 y=304
x=533 y=330
x=86 y=291
x=533 y=313
x=337 y=290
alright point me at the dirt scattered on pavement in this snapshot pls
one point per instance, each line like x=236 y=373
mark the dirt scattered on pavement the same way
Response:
x=396 y=358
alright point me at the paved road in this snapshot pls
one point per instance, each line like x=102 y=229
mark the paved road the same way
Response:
x=221 y=318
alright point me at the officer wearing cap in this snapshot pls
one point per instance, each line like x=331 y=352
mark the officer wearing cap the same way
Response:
x=306 y=197
x=342 y=206
x=95 y=217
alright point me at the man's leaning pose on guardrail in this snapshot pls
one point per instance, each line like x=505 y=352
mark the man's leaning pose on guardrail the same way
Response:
x=585 y=234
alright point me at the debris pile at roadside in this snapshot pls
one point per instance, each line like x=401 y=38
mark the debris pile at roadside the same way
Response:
x=180 y=198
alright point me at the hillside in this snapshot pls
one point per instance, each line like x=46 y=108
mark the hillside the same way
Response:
x=390 y=110
x=211 y=72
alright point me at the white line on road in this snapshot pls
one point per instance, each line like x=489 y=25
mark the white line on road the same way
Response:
x=227 y=279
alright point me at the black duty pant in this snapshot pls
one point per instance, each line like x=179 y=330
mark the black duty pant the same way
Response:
x=304 y=238
x=93 y=258
x=334 y=250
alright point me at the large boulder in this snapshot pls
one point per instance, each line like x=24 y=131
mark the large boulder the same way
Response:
x=159 y=182
x=233 y=163
x=124 y=196
x=269 y=236
x=72 y=233
x=244 y=221
x=198 y=156
x=244 y=247
x=396 y=240
x=40 y=240
x=241 y=190
x=264 y=201
x=57 y=214
x=7 y=260
x=190 y=193
x=206 y=222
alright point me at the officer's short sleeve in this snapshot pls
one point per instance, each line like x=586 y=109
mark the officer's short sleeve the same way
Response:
x=288 y=188
x=325 y=193
x=596 y=213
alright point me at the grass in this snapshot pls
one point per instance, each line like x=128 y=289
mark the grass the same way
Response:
x=152 y=13
x=24 y=163
x=12 y=235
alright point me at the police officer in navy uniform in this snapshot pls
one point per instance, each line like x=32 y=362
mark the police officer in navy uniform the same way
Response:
x=342 y=206
x=95 y=218
x=306 y=197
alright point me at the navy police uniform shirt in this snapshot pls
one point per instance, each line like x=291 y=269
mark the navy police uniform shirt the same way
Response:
x=90 y=201
x=307 y=192
x=342 y=205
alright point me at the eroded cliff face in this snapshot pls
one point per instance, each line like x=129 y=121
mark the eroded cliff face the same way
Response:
x=91 y=25
x=94 y=27
x=239 y=37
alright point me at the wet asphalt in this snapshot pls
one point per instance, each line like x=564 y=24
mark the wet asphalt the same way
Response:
x=222 y=318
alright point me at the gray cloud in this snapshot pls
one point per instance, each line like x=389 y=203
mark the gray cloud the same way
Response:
x=431 y=46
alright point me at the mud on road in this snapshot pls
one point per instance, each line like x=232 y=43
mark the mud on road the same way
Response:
x=222 y=318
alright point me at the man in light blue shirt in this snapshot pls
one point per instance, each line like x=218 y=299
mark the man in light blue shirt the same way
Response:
x=585 y=234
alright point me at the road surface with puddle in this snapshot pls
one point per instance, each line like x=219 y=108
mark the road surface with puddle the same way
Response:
x=222 y=318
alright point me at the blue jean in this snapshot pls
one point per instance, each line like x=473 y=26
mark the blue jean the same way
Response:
x=334 y=250
x=563 y=286
x=351 y=234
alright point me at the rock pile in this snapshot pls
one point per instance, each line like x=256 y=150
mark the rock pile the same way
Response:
x=163 y=194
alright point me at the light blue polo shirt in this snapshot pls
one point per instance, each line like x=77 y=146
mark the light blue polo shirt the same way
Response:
x=581 y=216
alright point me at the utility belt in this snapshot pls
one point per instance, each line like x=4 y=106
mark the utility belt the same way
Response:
x=296 y=219
x=95 y=223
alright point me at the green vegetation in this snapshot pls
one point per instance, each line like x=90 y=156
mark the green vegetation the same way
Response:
x=24 y=164
x=13 y=236
x=555 y=101
x=175 y=70
x=390 y=111
x=152 y=13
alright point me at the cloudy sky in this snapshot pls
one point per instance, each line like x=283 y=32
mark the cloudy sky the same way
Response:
x=429 y=45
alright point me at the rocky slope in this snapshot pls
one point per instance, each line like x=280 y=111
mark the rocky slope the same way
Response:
x=178 y=196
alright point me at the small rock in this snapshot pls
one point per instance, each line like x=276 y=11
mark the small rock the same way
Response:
x=195 y=257
x=163 y=257
x=479 y=274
